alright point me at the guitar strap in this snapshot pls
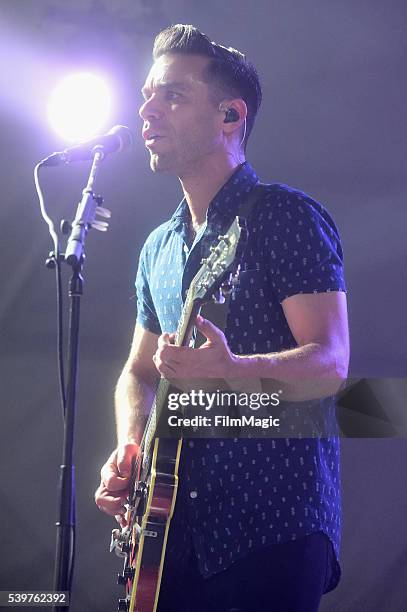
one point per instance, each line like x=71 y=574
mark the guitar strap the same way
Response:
x=214 y=312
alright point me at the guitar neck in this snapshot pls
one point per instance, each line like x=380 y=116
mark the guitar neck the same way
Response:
x=182 y=338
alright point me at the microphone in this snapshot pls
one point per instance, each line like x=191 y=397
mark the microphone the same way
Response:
x=117 y=139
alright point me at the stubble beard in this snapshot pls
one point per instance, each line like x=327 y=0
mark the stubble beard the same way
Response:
x=163 y=162
x=185 y=160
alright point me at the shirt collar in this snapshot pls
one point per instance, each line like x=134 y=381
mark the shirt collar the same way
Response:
x=228 y=199
x=231 y=195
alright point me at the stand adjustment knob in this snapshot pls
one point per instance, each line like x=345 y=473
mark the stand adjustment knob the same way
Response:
x=123 y=604
x=50 y=261
x=66 y=227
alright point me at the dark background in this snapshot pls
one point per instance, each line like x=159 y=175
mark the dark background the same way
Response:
x=332 y=124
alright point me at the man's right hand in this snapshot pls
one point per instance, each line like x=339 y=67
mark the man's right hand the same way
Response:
x=111 y=495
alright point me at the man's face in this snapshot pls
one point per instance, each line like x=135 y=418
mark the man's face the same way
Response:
x=181 y=123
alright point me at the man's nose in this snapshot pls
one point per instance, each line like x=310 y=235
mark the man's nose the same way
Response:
x=150 y=109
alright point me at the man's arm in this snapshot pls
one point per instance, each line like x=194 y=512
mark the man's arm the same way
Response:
x=319 y=365
x=136 y=387
x=316 y=368
x=133 y=399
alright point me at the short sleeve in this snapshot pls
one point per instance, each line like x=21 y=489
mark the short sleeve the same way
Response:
x=146 y=314
x=306 y=253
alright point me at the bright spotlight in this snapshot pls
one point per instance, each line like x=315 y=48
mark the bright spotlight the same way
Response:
x=79 y=107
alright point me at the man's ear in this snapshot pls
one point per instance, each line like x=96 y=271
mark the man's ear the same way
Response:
x=235 y=113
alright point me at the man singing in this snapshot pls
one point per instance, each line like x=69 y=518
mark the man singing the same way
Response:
x=256 y=524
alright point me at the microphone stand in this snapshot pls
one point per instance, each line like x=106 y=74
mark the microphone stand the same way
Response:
x=88 y=207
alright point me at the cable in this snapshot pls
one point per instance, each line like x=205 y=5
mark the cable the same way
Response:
x=58 y=275
x=244 y=132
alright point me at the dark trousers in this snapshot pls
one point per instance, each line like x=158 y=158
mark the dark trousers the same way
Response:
x=288 y=577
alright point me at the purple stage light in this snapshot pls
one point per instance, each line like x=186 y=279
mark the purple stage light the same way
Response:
x=79 y=106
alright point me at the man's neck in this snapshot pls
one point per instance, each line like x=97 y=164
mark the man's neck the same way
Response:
x=201 y=185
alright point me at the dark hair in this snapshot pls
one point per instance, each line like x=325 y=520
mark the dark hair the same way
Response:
x=229 y=72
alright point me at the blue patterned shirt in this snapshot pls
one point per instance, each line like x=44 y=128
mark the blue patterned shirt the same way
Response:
x=238 y=495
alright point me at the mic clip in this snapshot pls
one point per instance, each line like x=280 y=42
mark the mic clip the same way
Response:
x=100 y=210
x=88 y=208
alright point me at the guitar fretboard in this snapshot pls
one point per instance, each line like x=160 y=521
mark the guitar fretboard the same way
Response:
x=164 y=385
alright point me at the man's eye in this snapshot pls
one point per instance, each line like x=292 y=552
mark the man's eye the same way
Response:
x=173 y=95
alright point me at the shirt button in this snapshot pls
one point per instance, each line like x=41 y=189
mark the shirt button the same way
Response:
x=186 y=249
x=193 y=494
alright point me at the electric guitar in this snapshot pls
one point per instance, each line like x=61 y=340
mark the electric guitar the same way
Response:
x=154 y=478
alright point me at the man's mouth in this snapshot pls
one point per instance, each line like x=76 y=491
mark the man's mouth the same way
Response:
x=151 y=140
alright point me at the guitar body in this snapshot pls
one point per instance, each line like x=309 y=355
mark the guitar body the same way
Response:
x=148 y=549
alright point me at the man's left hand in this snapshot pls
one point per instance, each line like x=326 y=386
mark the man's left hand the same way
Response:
x=213 y=359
